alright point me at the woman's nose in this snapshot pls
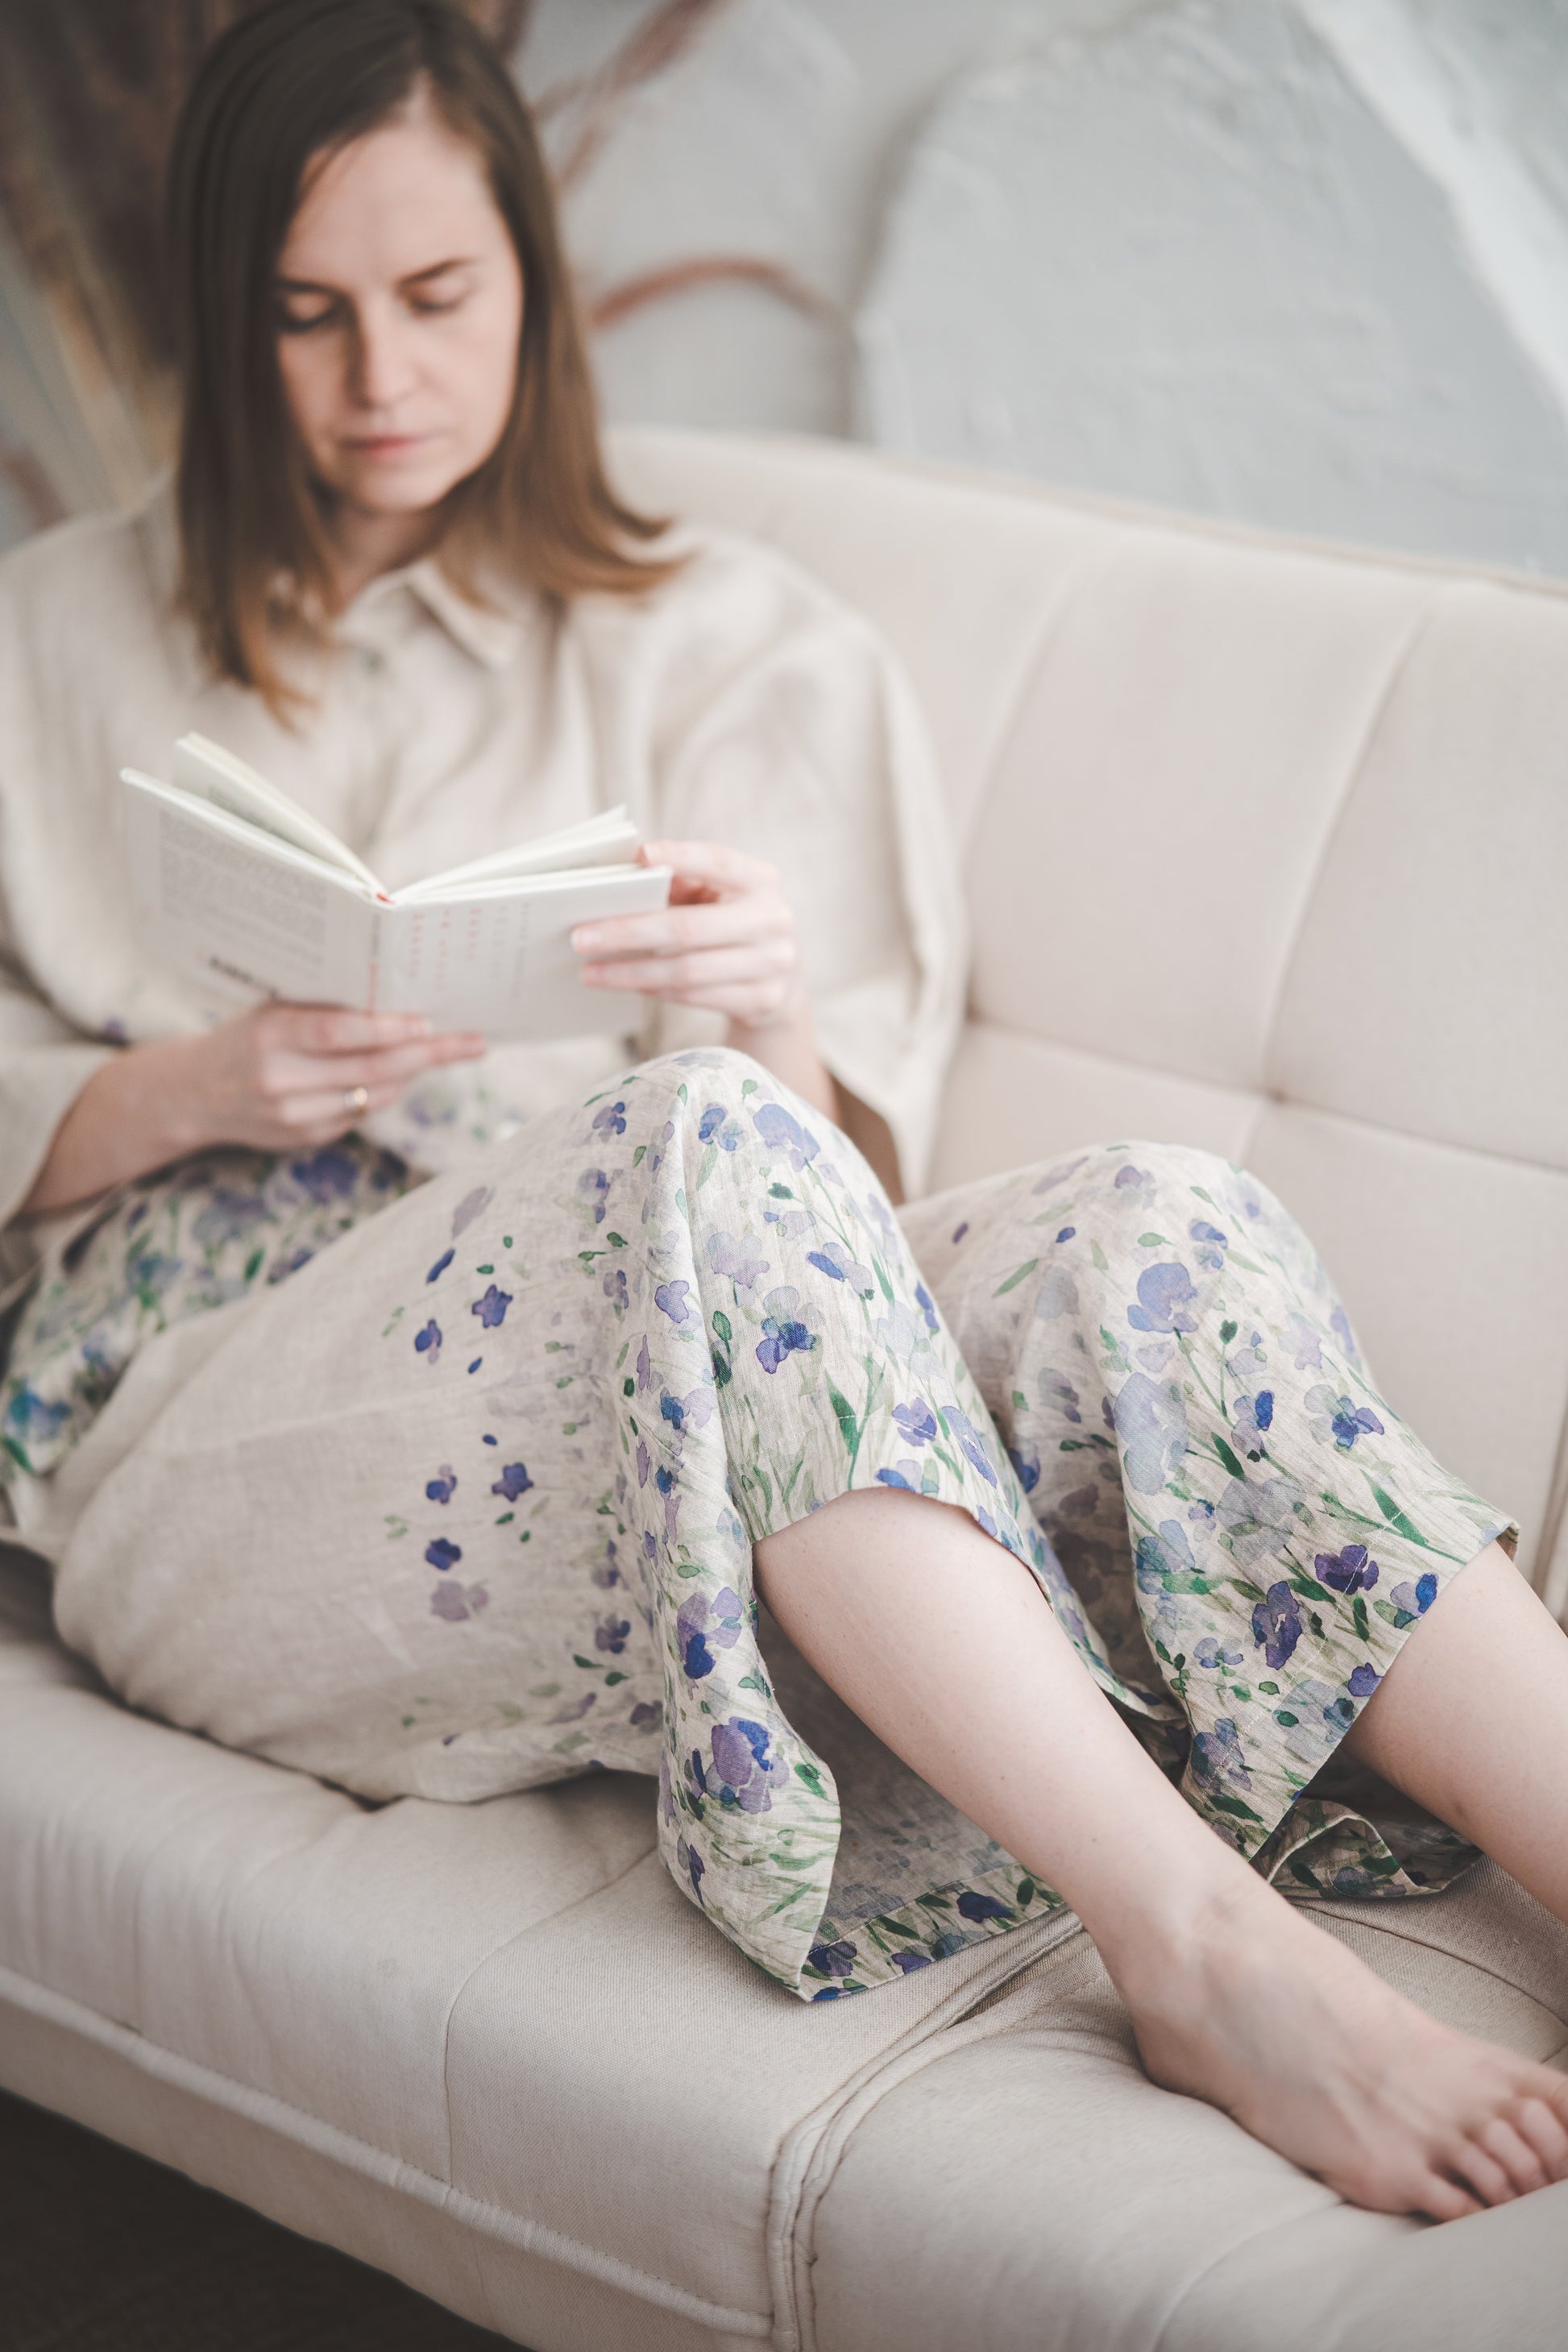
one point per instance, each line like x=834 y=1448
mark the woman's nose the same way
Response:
x=382 y=362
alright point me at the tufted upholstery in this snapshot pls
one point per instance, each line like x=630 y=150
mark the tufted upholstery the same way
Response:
x=1262 y=846
x=1266 y=849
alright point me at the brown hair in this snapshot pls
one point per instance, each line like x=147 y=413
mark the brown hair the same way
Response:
x=294 y=78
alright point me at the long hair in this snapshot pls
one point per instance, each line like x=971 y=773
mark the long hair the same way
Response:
x=290 y=81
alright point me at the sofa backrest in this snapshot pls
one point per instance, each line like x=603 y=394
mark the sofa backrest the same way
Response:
x=1266 y=849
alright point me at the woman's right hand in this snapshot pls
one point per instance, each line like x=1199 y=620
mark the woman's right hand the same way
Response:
x=283 y=1075
x=275 y=1077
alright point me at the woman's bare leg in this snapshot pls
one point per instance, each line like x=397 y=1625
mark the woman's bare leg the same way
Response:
x=945 y=1646
x=1472 y=1721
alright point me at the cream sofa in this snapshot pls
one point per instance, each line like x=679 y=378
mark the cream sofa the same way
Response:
x=1266 y=849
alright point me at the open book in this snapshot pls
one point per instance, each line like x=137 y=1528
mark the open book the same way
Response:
x=234 y=883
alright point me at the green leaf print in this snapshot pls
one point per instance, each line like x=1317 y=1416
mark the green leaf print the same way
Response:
x=1228 y=1460
x=1224 y=1803
x=639 y=1155
x=723 y=1325
x=1102 y=1264
x=811 y=1774
x=881 y=1273
x=1015 y=1278
x=1228 y=1329
x=847 y=1418
x=253 y=1264
x=1153 y=1240
x=1396 y=1516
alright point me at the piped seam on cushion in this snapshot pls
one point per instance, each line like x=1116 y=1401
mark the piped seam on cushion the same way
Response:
x=372 y=2163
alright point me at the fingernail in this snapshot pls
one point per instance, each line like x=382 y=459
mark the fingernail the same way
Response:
x=584 y=937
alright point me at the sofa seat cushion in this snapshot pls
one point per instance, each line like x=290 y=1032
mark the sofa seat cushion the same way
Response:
x=1032 y=2192
x=561 y=2101
x=504 y=2011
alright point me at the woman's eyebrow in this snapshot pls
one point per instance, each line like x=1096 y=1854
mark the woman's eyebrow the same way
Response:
x=415 y=277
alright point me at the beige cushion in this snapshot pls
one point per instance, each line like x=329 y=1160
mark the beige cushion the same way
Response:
x=1265 y=852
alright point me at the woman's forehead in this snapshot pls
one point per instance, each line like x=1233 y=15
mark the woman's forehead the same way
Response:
x=402 y=199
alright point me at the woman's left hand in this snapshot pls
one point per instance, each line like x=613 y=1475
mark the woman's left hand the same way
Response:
x=726 y=940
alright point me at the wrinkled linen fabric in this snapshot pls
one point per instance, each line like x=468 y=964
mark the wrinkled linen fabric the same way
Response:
x=738 y=702
x=465 y=1502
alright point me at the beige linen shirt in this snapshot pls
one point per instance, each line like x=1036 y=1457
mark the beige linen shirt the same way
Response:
x=739 y=703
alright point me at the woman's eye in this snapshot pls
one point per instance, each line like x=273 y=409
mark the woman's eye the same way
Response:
x=301 y=322
x=428 y=306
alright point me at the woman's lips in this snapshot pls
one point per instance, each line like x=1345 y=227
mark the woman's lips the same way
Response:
x=386 y=444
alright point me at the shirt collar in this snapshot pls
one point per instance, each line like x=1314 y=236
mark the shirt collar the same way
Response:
x=490 y=635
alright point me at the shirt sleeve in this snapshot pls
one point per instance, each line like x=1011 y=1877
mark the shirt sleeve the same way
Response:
x=809 y=750
x=43 y=1065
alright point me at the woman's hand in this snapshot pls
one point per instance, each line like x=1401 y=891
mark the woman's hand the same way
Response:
x=725 y=944
x=275 y=1077
x=726 y=940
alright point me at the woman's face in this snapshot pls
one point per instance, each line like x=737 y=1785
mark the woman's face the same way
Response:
x=399 y=306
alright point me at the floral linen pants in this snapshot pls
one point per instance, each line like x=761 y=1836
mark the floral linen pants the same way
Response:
x=466 y=1504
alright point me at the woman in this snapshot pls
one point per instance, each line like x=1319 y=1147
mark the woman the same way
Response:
x=388 y=1411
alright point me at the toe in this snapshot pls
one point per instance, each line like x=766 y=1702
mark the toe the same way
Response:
x=1509 y=2147
x=1468 y=2163
x=1544 y=2131
x=1443 y=2200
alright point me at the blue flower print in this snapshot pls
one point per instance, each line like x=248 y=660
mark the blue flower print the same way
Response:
x=468 y=1207
x=439 y=1268
x=969 y=1443
x=610 y=1633
x=1306 y=1342
x=1329 y=1416
x=1067 y=1234
x=227 y=1215
x=702 y=1626
x=670 y=1298
x=1133 y=1180
x=442 y=1554
x=29 y=1416
x=980 y=1907
x=1165 y=1562
x=1058 y=1294
x=457 y=1602
x=326 y=1175
x=1165 y=1292
x=1339 y=1325
x=1276 y=1624
x=917 y=1422
x=784 y=1134
x=746 y=1774
x=1026 y=1468
x=1212 y=1244
x=927 y=1306
x=1252 y=1417
x=646 y=1714
x=692 y=1411
x=594 y=1190
x=513 y=1481
x=615 y=1291
x=903 y=1474
x=1211 y=1656
x=1413 y=1598
x=739 y=1260
x=610 y=1118
x=907 y=1962
x=1218 y=1758
x=834 y=1260
x=492 y=1309
x=427 y=1343
x=716 y=1126
x=1349 y=1570
x=1364 y=1680
x=440 y=1489
x=783 y=1334
x=833 y=1959
x=1151 y=1424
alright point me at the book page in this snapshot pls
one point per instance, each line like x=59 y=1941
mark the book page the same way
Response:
x=247 y=917
x=499 y=962
x=606 y=840
x=209 y=773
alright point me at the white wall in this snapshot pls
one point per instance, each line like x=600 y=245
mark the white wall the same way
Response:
x=1299 y=262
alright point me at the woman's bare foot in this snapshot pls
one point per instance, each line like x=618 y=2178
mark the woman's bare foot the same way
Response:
x=1264 y=2015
